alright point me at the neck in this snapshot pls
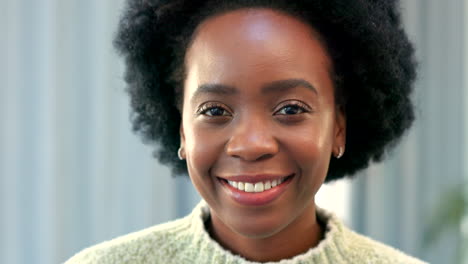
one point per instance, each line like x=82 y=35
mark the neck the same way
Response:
x=298 y=237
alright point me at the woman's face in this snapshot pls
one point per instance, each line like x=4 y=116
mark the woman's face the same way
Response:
x=259 y=108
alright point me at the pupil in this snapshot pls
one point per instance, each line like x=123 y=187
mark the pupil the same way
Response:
x=216 y=111
x=291 y=110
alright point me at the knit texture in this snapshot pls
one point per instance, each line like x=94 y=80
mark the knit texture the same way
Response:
x=186 y=241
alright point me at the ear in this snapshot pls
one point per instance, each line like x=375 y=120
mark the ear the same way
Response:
x=182 y=140
x=182 y=135
x=340 y=131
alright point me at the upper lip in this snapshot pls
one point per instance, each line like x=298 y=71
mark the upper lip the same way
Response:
x=253 y=178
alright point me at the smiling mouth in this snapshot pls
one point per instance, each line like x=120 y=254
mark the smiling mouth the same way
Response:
x=257 y=187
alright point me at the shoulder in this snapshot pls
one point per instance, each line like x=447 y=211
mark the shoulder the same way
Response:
x=159 y=242
x=351 y=247
x=363 y=248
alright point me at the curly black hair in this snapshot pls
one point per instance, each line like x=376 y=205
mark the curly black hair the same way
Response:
x=373 y=61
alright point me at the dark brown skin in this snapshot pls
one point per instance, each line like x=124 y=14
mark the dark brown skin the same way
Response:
x=251 y=131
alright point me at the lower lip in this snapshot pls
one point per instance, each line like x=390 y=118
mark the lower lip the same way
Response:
x=256 y=198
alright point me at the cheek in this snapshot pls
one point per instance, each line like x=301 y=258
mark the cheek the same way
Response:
x=202 y=149
x=311 y=150
x=311 y=142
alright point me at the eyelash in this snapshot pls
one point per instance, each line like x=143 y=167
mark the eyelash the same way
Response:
x=302 y=107
x=206 y=107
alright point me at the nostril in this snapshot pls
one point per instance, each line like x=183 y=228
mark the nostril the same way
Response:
x=252 y=150
x=251 y=155
x=264 y=157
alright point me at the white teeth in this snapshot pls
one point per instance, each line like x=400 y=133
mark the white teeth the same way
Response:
x=256 y=187
x=249 y=187
x=274 y=183
x=233 y=183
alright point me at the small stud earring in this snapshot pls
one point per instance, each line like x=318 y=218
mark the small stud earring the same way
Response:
x=340 y=154
x=179 y=153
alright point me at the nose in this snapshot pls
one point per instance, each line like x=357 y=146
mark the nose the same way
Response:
x=252 y=140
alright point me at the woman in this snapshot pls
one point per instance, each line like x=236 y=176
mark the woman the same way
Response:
x=257 y=101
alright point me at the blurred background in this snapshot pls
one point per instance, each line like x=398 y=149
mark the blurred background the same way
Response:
x=72 y=174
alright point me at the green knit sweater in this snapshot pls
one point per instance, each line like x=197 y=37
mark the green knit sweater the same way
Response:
x=186 y=241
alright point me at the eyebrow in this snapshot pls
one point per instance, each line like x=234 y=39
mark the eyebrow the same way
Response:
x=272 y=87
x=285 y=85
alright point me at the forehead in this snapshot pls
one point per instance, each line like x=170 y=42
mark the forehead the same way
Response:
x=255 y=42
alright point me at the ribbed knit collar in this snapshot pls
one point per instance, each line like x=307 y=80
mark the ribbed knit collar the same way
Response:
x=331 y=249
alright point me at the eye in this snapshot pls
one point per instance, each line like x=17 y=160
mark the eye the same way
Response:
x=293 y=109
x=213 y=110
